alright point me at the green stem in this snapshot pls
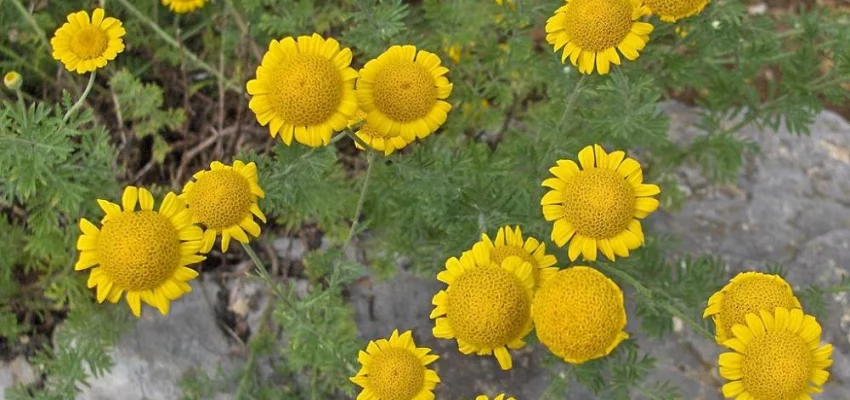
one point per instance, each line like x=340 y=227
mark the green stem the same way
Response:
x=568 y=107
x=260 y=267
x=22 y=105
x=370 y=161
x=655 y=299
x=82 y=99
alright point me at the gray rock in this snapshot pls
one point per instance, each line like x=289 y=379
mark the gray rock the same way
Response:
x=16 y=372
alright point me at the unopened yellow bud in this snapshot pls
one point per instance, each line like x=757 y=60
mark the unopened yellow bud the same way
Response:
x=13 y=80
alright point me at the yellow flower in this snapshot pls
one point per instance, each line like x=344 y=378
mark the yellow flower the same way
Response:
x=591 y=32
x=184 y=6
x=376 y=140
x=747 y=293
x=454 y=53
x=305 y=88
x=598 y=207
x=395 y=369
x=673 y=10
x=777 y=356
x=509 y=243
x=13 y=80
x=486 y=306
x=499 y=397
x=579 y=314
x=401 y=92
x=84 y=44
x=142 y=252
x=224 y=200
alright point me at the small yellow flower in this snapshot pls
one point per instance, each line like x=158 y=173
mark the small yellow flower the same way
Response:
x=591 y=32
x=579 y=314
x=395 y=369
x=304 y=88
x=776 y=356
x=224 y=200
x=402 y=93
x=499 y=397
x=184 y=6
x=454 y=53
x=13 y=80
x=375 y=139
x=747 y=293
x=486 y=306
x=598 y=206
x=674 y=10
x=509 y=242
x=142 y=252
x=84 y=44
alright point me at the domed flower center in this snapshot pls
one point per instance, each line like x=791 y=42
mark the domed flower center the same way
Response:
x=220 y=198
x=596 y=25
x=750 y=296
x=676 y=8
x=777 y=366
x=487 y=307
x=599 y=203
x=89 y=42
x=396 y=374
x=500 y=253
x=139 y=250
x=306 y=90
x=404 y=91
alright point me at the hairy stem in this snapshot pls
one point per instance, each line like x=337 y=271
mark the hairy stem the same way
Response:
x=82 y=99
x=370 y=161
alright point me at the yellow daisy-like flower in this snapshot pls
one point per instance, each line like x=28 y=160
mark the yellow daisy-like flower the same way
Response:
x=224 y=200
x=509 y=243
x=499 y=397
x=579 y=314
x=375 y=139
x=674 y=10
x=395 y=369
x=402 y=93
x=591 y=32
x=747 y=293
x=598 y=206
x=84 y=44
x=184 y=6
x=304 y=88
x=143 y=252
x=777 y=356
x=487 y=306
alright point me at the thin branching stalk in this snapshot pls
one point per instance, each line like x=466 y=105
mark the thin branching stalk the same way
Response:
x=82 y=99
x=370 y=162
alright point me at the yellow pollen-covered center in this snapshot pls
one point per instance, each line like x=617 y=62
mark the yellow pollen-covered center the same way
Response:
x=599 y=203
x=368 y=130
x=404 y=91
x=89 y=42
x=306 y=90
x=487 y=307
x=597 y=25
x=138 y=250
x=500 y=253
x=750 y=296
x=777 y=366
x=220 y=199
x=675 y=8
x=396 y=374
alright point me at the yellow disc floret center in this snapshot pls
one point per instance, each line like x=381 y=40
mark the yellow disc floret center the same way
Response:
x=596 y=25
x=676 y=8
x=777 y=366
x=487 y=307
x=599 y=203
x=306 y=90
x=500 y=253
x=220 y=199
x=367 y=129
x=89 y=42
x=404 y=91
x=138 y=250
x=396 y=374
x=750 y=296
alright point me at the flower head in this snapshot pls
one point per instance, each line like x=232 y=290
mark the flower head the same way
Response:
x=84 y=44
x=509 y=242
x=375 y=139
x=579 y=314
x=674 y=10
x=776 y=356
x=184 y=6
x=13 y=80
x=305 y=88
x=598 y=206
x=747 y=293
x=499 y=397
x=224 y=200
x=591 y=32
x=486 y=306
x=395 y=369
x=143 y=252
x=402 y=93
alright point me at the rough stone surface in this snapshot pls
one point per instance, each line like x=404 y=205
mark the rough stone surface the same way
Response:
x=15 y=372
x=150 y=359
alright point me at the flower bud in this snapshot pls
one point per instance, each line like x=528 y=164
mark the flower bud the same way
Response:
x=13 y=80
